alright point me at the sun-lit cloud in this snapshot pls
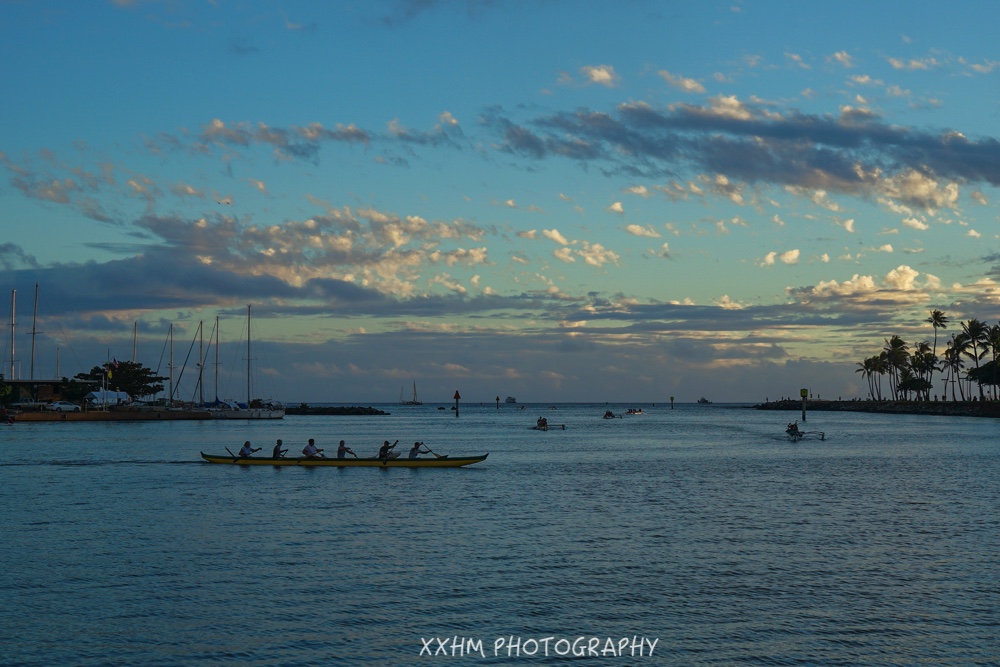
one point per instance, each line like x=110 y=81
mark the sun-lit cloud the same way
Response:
x=604 y=75
x=683 y=83
x=554 y=235
x=642 y=230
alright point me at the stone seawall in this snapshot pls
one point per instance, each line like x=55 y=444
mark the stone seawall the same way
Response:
x=942 y=408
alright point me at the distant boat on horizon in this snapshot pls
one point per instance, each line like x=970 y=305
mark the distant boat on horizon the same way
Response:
x=704 y=401
x=414 y=401
x=510 y=399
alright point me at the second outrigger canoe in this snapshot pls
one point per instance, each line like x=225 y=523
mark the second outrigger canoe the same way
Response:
x=374 y=462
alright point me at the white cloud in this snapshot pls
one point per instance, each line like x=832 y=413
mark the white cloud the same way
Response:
x=639 y=230
x=913 y=223
x=797 y=59
x=789 y=257
x=844 y=58
x=564 y=254
x=597 y=255
x=601 y=74
x=616 y=208
x=554 y=235
x=684 y=83
x=901 y=278
x=973 y=233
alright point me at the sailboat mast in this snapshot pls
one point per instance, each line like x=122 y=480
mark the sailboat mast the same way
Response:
x=170 y=365
x=13 y=310
x=216 y=357
x=248 y=355
x=135 y=338
x=201 y=361
x=34 y=319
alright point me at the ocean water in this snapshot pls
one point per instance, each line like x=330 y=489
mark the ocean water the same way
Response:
x=694 y=536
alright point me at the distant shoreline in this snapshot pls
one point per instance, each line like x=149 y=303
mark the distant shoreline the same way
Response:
x=942 y=408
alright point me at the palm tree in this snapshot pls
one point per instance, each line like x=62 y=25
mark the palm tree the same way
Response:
x=977 y=333
x=922 y=363
x=897 y=358
x=993 y=340
x=881 y=368
x=938 y=320
x=957 y=348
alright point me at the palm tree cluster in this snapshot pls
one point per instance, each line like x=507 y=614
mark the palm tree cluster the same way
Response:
x=911 y=372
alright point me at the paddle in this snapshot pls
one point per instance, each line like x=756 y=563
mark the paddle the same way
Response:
x=429 y=450
x=235 y=458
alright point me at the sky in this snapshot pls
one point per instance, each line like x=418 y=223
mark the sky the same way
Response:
x=552 y=200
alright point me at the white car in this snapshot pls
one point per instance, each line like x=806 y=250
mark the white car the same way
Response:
x=63 y=406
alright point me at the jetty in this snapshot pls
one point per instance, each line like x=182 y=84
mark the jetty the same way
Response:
x=974 y=408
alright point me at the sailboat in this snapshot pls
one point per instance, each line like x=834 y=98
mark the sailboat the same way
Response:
x=414 y=401
x=254 y=409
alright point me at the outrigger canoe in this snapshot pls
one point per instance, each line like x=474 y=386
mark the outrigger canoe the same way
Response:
x=439 y=462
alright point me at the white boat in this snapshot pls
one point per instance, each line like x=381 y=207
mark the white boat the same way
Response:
x=510 y=399
x=414 y=401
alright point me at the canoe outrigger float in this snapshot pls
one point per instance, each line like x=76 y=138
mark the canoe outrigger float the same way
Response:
x=373 y=462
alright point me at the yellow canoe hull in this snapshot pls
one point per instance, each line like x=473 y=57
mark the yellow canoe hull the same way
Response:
x=442 y=462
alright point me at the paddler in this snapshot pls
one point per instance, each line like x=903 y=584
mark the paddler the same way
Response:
x=343 y=450
x=415 y=451
x=385 y=449
x=246 y=451
x=310 y=451
x=279 y=450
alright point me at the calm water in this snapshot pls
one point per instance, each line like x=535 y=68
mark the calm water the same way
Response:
x=700 y=528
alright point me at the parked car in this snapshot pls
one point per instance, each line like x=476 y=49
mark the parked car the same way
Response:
x=27 y=404
x=63 y=406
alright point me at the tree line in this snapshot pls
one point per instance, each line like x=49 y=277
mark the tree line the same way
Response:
x=967 y=365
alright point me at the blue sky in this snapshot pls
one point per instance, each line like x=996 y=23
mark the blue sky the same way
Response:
x=553 y=200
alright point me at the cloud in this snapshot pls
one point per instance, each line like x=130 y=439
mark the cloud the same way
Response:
x=853 y=153
x=601 y=74
x=639 y=230
x=554 y=235
x=844 y=58
x=683 y=83
x=616 y=208
x=787 y=257
x=913 y=223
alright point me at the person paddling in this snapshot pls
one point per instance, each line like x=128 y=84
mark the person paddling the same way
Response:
x=310 y=451
x=343 y=450
x=278 y=452
x=246 y=451
x=385 y=450
x=415 y=451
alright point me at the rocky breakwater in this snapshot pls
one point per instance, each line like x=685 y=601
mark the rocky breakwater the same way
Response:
x=944 y=408
x=333 y=410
